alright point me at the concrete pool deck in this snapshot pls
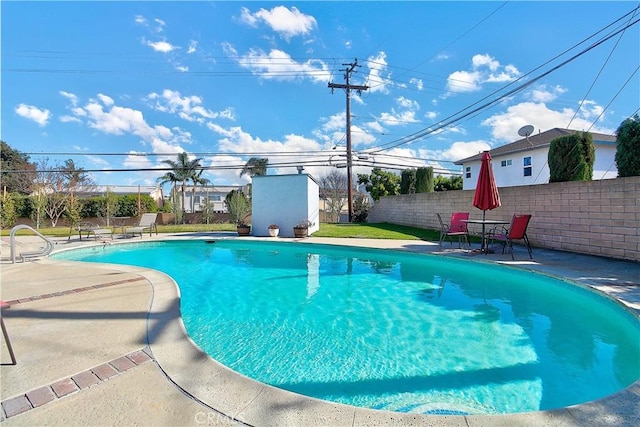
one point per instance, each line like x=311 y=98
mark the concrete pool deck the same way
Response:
x=104 y=345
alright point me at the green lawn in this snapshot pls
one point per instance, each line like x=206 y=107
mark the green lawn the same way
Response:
x=376 y=231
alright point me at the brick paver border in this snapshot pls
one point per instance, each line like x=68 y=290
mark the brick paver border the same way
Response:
x=73 y=291
x=80 y=381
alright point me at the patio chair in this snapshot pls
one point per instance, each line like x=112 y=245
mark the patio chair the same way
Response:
x=516 y=231
x=89 y=228
x=147 y=222
x=456 y=228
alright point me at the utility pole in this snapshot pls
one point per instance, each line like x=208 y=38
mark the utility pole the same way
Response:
x=348 y=87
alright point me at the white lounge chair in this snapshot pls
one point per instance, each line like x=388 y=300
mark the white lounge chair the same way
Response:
x=89 y=228
x=147 y=222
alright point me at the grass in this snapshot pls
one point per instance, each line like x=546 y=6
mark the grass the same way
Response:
x=376 y=231
x=359 y=230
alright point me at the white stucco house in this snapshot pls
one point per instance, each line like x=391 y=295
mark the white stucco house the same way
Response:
x=196 y=198
x=524 y=162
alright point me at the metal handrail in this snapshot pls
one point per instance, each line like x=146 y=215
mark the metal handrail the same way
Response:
x=46 y=250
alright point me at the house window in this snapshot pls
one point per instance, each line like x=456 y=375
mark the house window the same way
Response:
x=505 y=163
x=196 y=200
x=467 y=171
x=214 y=198
x=527 y=166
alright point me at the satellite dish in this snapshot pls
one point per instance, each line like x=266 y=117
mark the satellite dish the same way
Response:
x=525 y=131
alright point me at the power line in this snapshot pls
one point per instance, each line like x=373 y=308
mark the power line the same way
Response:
x=456 y=117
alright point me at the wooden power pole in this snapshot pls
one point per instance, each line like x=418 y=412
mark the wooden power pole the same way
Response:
x=348 y=87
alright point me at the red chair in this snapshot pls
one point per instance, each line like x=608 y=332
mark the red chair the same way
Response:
x=456 y=228
x=517 y=231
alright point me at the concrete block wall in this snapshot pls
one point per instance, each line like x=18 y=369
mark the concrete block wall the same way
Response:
x=595 y=217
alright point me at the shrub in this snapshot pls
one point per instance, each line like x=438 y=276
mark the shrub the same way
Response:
x=571 y=158
x=628 y=147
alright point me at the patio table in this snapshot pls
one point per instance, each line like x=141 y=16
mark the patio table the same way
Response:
x=484 y=244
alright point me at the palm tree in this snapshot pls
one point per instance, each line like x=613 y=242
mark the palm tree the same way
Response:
x=182 y=169
x=197 y=179
x=255 y=166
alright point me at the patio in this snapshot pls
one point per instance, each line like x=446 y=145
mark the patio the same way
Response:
x=99 y=346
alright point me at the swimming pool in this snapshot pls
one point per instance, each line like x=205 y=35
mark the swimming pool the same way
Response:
x=417 y=333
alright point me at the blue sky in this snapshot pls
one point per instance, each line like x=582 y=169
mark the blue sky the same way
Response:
x=226 y=81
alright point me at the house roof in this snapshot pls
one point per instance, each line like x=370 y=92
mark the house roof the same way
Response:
x=539 y=140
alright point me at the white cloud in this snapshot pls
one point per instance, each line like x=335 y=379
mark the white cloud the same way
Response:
x=106 y=100
x=464 y=81
x=378 y=77
x=192 y=46
x=479 y=61
x=142 y=20
x=70 y=96
x=97 y=160
x=111 y=119
x=485 y=69
x=32 y=113
x=69 y=119
x=286 y=22
x=335 y=122
x=78 y=111
x=418 y=83
x=457 y=151
x=544 y=94
x=189 y=108
x=160 y=46
x=160 y=23
x=504 y=126
x=590 y=109
x=279 y=65
x=407 y=103
x=235 y=140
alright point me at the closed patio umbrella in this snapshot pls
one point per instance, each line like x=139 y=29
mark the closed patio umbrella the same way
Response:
x=486 y=196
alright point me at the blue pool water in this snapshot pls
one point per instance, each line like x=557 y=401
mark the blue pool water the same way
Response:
x=393 y=330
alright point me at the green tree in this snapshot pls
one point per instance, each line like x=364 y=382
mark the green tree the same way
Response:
x=360 y=208
x=17 y=173
x=571 y=158
x=128 y=205
x=56 y=188
x=182 y=170
x=108 y=205
x=75 y=180
x=442 y=183
x=238 y=206
x=424 y=180
x=628 y=147
x=8 y=214
x=408 y=181
x=380 y=183
x=255 y=166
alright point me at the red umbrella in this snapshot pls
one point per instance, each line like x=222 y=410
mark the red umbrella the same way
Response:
x=486 y=196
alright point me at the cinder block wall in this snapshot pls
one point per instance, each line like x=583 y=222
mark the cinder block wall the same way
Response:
x=596 y=217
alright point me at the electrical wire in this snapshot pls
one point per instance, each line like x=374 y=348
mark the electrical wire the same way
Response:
x=458 y=116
